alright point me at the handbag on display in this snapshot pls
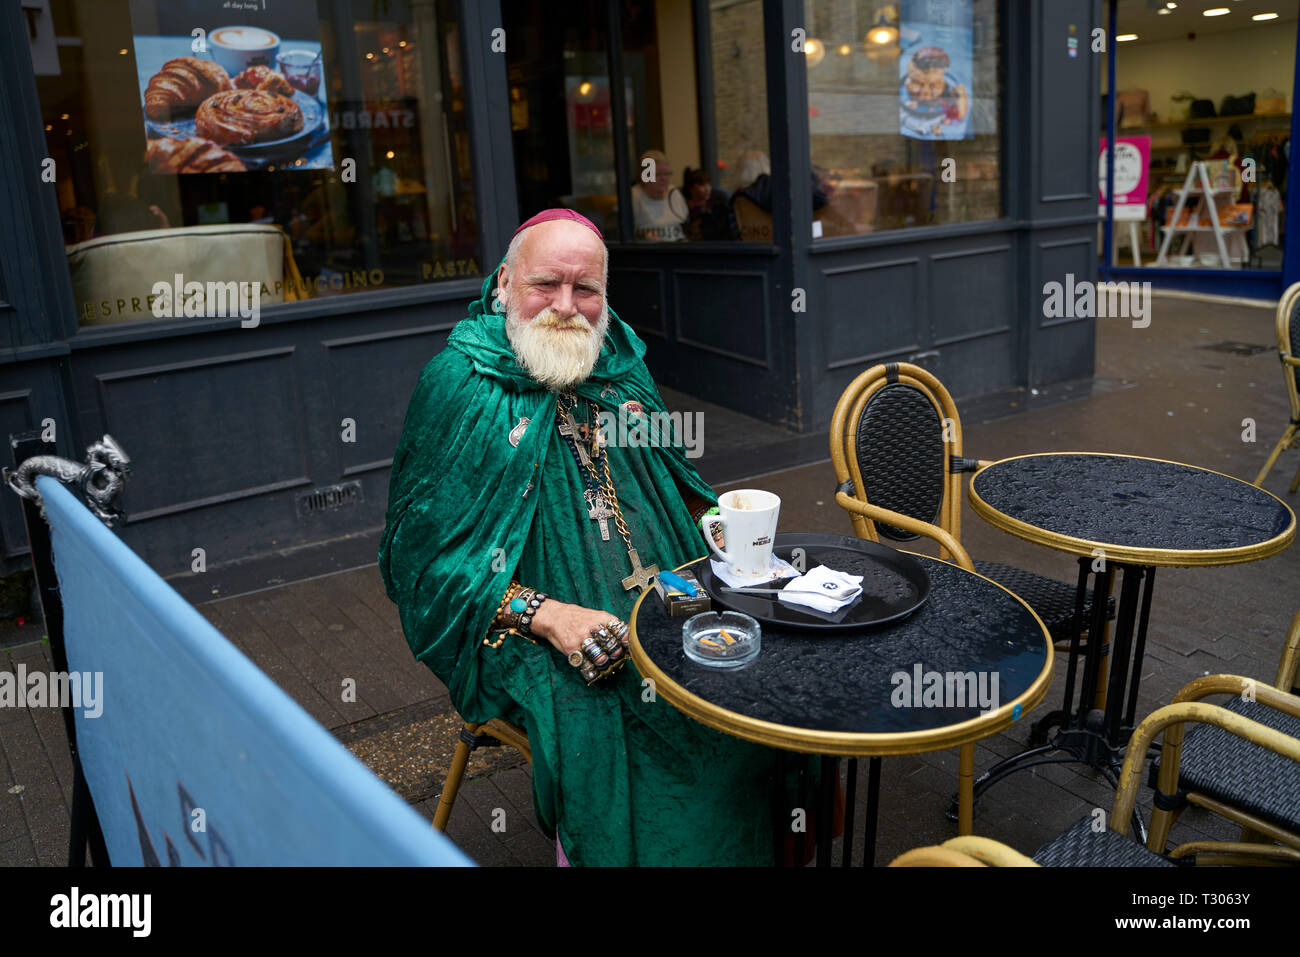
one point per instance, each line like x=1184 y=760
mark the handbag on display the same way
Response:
x=1182 y=104
x=1200 y=109
x=1237 y=105
x=1271 y=101
x=1196 y=136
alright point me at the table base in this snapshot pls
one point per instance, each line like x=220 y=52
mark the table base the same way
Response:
x=1095 y=731
x=825 y=798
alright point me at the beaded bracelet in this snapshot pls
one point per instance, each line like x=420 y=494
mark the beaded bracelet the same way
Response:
x=515 y=613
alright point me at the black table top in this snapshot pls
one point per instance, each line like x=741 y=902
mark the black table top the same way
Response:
x=1140 y=510
x=838 y=695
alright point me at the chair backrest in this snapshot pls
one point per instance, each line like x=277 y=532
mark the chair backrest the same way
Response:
x=121 y=269
x=754 y=223
x=893 y=436
x=1288 y=342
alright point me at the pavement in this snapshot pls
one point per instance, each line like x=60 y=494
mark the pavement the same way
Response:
x=1186 y=388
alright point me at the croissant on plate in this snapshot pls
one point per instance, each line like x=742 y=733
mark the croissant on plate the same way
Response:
x=181 y=85
x=192 y=155
x=259 y=77
x=240 y=117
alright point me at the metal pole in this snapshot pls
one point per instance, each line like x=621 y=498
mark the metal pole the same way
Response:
x=1110 y=140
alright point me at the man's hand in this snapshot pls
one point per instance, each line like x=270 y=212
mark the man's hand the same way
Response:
x=566 y=626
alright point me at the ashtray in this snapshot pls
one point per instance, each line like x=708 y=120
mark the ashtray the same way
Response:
x=721 y=639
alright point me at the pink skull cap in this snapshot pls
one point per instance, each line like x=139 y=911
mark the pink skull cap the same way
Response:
x=546 y=215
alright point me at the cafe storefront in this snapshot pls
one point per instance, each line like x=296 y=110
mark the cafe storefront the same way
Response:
x=885 y=181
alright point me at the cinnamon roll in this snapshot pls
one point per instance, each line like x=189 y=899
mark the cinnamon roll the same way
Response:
x=240 y=117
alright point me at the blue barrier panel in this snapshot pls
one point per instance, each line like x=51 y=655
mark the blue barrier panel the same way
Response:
x=189 y=731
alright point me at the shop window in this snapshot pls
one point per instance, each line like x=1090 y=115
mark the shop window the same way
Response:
x=1203 y=136
x=293 y=150
x=903 y=103
x=680 y=175
x=743 y=164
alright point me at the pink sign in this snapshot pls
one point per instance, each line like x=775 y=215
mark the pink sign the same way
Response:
x=1132 y=160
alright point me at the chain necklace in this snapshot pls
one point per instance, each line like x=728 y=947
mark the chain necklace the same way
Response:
x=602 y=500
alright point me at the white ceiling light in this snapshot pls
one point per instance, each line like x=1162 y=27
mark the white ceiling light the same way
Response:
x=1123 y=37
x=1164 y=12
x=1264 y=16
x=1215 y=12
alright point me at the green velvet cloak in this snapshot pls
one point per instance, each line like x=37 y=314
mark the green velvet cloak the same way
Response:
x=624 y=777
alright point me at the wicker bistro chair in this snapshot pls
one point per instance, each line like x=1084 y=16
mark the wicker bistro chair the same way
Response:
x=1288 y=350
x=1086 y=844
x=1238 y=780
x=896 y=450
x=496 y=732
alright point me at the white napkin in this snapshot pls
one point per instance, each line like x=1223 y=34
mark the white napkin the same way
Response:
x=822 y=589
x=777 y=568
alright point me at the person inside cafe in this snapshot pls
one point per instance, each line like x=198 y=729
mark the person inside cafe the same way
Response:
x=514 y=531
x=710 y=213
x=659 y=210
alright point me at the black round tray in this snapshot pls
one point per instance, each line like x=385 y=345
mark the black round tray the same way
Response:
x=893 y=585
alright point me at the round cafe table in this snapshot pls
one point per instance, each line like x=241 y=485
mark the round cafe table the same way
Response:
x=1130 y=514
x=834 y=694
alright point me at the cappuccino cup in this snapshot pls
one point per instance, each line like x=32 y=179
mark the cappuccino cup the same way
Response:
x=238 y=48
x=748 y=517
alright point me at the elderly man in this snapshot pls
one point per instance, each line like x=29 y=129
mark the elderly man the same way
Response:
x=659 y=209
x=517 y=542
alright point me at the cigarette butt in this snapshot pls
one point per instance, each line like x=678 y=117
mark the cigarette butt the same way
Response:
x=711 y=643
x=726 y=637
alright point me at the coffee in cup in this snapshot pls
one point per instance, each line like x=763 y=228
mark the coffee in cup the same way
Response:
x=237 y=48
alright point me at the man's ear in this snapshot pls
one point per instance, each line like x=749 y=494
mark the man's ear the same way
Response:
x=503 y=285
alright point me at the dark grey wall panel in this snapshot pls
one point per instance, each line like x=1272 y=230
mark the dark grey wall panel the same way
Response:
x=1058 y=260
x=1061 y=348
x=1066 y=111
x=637 y=295
x=16 y=415
x=727 y=313
x=715 y=318
x=208 y=406
x=369 y=378
x=870 y=312
x=972 y=306
x=30 y=393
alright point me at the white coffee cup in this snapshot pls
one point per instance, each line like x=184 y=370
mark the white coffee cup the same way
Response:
x=239 y=47
x=748 y=518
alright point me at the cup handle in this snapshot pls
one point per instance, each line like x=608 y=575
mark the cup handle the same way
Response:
x=707 y=522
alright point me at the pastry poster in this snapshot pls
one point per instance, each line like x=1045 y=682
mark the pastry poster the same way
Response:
x=228 y=86
x=936 y=66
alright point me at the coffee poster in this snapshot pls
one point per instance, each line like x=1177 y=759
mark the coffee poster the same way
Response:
x=936 y=67
x=230 y=86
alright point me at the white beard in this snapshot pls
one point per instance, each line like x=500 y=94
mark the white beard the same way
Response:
x=558 y=353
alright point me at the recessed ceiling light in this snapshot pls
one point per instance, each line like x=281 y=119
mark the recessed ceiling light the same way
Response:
x=1215 y=12
x=1264 y=16
x=1171 y=5
x=1164 y=12
x=1126 y=36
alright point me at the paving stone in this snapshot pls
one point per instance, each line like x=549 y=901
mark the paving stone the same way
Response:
x=18 y=852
